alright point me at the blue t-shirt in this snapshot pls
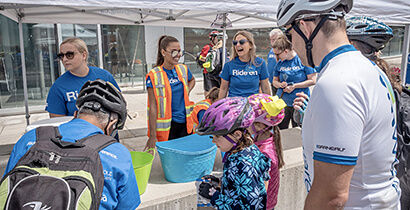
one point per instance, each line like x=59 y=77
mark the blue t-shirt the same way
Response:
x=177 y=88
x=292 y=71
x=63 y=93
x=244 y=77
x=120 y=186
x=271 y=64
x=200 y=115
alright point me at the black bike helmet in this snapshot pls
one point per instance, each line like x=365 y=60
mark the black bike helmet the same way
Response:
x=102 y=94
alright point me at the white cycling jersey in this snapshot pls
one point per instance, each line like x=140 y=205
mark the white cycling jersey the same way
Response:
x=350 y=120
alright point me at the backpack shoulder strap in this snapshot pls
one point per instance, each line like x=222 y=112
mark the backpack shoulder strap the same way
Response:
x=46 y=133
x=98 y=141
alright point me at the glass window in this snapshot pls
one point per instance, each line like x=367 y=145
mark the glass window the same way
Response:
x=41 y=66
x=394 y=47
x=124 y=53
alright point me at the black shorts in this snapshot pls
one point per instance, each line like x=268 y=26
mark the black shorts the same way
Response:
x=211 y=81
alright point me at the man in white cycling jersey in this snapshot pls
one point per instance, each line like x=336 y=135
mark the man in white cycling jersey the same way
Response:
x=349 y=139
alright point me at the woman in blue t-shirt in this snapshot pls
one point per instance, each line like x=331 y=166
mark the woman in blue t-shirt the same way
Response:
x=244 y=73
x=63 y=93
x=290 y=77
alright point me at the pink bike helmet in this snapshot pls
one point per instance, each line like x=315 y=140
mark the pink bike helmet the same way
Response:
x=225 y=116
x=268 y=109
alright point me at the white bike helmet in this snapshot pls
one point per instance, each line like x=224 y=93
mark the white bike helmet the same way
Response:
x=289 y=10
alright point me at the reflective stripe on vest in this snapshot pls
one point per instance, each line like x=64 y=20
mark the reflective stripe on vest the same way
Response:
x=202 y=105
x=163 y=98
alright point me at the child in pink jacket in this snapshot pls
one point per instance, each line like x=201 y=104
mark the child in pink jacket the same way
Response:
x=269 y=112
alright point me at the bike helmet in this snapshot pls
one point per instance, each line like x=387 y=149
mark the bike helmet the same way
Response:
x=225 y=116
x=102 y=95
x=368 y=30
x=215 y=33
x=289 y=10
x=268 y=109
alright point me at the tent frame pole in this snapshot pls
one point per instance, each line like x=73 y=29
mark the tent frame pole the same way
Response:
x=100 y=48
x=23 y=67
x=405 y=52
x=224 y=40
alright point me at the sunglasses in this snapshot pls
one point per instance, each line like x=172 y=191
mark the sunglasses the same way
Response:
x=175 y=53
x=69 y=55
x=241 y=42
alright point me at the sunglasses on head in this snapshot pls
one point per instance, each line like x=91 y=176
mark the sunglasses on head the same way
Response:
x=69 y=55
x=241 y=42
x=175 y=53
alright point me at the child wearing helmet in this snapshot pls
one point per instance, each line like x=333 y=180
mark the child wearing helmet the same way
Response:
x=269 y=112
x=245 y=167
x=200 y=107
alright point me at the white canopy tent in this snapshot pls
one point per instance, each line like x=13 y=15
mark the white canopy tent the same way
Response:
x=234 y=14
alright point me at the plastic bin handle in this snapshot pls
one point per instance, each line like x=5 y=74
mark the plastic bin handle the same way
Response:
x=150 y=150
x=160 y=152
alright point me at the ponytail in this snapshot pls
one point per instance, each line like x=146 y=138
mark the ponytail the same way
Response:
x=245 y=141
x=278 y=146
x=163 y=43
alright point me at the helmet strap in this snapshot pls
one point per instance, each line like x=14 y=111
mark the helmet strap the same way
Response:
x=308 y=42
x=106 y=126
x=262 y=131
x=229 y=152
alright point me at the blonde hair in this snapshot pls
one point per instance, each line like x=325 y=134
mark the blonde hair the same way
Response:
x=282 y=43
x=78 y=43
x=252 y=50
x=275 y=31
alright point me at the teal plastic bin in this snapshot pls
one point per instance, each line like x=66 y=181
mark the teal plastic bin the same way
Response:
x=188 y=158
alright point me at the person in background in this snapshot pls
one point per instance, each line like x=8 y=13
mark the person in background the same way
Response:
x=349 y=128
x=244 y=73
x=370 y=36
x=290 y=77
x=269 y=112
x=245 y=167
x=200 y=107
x=273 y=35
x=169 y=85
x=63 y=93
x=209 y=81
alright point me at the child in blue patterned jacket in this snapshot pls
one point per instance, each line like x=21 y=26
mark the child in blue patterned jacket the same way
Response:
x=245 y=167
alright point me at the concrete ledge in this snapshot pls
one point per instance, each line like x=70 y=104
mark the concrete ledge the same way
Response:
x=161 y=194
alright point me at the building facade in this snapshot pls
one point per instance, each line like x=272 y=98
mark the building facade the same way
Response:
x=127 y=51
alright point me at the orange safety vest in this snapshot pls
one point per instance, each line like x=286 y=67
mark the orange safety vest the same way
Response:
x=163 y=97
x=202 y=105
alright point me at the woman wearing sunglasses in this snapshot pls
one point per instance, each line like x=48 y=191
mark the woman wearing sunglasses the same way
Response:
x=290 y=77
x=169 y=85
x=63 y=93
x=244 y=73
